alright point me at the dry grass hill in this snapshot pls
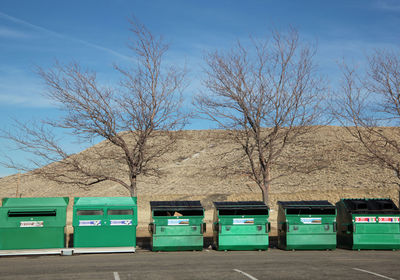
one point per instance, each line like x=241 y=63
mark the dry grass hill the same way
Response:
x=205 y=166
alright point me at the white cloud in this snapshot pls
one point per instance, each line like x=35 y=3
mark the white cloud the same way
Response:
x=34 y=100
x=62 y=36
x=12 y=33
x=17 y=88
x=387 y=5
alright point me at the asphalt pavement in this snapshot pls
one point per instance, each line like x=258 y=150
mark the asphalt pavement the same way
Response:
x=208 y=264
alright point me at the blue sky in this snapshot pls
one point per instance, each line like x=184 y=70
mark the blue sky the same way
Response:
x=95 y=34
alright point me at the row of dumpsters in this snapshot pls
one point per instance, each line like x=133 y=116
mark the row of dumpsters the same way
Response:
x=110 y=222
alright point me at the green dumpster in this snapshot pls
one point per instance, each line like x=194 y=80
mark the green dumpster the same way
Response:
x=241 y=225
x=105 y=221
x=176 y=225
x=306 y=225
x=368 y=224
x=33 y=223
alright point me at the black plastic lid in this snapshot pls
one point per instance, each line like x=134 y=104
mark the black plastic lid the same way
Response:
x=370 y=206
x=176 y=205
x=307 y=204
x=240 y=205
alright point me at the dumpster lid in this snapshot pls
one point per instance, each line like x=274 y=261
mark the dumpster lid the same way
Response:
x=35 y=202
x=240 y=205
x=105 y=201
x=306 y=204
x=176 y=205
x=371 y=205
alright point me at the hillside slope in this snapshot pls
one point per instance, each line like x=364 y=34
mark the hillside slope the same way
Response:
x=206 y=166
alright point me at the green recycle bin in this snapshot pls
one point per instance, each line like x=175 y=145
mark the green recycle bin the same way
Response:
x=306 y=225
x=176 y=225
x=33 y=223
x=105 y=221
x=241 y=225
x=368 y=224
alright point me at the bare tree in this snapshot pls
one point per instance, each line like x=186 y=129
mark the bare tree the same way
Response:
x=265 y=96
x=370 y=100
x=137 y=118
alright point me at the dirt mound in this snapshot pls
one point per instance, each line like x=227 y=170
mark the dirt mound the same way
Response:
x=207 y=165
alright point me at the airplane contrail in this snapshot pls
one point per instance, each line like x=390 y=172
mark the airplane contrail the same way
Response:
x=63 y=36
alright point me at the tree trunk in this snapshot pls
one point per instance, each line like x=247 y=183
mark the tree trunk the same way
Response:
x=132 y=187
x=266 y=185
x=264 y=191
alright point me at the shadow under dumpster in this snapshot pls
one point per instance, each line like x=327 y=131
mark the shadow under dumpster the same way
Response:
x=144 y=243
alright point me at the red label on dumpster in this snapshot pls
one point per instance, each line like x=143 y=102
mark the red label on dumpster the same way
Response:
x=365 y=219
x=389 y=219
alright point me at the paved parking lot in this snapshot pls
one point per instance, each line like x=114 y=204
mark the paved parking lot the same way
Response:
x=208 y=264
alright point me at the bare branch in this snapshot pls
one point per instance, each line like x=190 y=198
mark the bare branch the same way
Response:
x=265 y=98
x=371 y=101
x=135 y=118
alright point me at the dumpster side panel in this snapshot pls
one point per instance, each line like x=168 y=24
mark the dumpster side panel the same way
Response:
x=376 y=242
x=311 y=242
x=121 y=229
x=243 y=233
x=177 y=243
x=303 y=236
x=31 y=238
x=306 y=232
x=243 y=242
x=375 y=235
x=368 y=230
x=110 y=225
x=376 y=228
x=177 y=233
x=178 y=230
x=104 y=237
x=35 y=227
x=233 y=230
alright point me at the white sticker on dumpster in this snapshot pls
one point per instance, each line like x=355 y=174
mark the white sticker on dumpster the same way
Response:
x=365 y=219
x=178 y=222
x=309 y=221
x=243 y=221
x=89 y=223
x=31 y=224
x=389 y=220
x=120 y=222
